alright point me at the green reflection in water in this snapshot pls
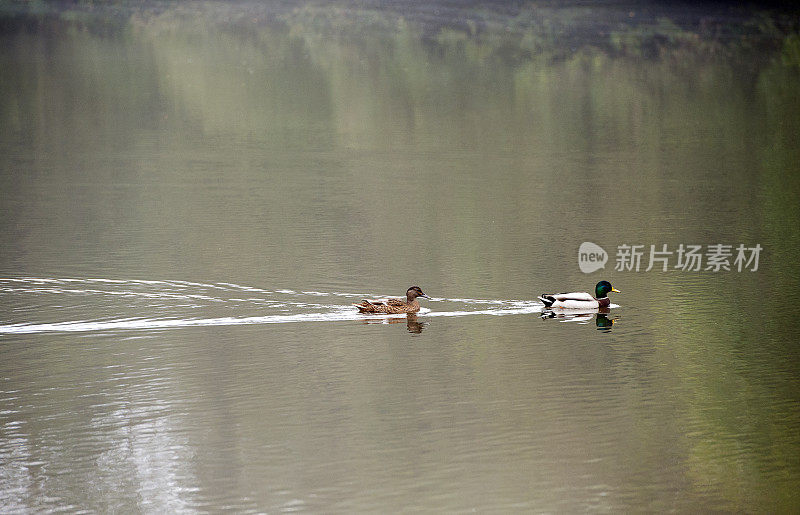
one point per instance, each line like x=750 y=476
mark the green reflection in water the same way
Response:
x=650 y=135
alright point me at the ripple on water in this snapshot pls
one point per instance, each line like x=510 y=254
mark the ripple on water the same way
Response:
x=52 y=305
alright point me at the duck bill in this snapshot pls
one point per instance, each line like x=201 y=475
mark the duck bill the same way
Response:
x=425 y=296
x=615 y=290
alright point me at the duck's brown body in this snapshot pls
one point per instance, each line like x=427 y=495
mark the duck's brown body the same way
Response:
x=393 y=306
x=389 y=306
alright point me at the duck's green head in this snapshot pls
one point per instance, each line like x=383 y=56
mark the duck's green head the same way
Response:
x=603 y=288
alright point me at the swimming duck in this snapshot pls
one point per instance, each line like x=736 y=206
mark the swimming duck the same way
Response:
x=392 y=306
x=580 y=300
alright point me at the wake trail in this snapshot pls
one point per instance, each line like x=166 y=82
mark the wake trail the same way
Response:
x=162 y=304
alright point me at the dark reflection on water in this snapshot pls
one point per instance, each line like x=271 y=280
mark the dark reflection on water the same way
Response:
x=413 y=324
x=601 y=317
x=194 y=194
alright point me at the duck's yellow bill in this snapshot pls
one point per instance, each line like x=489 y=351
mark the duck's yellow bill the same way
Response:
x=614 y=289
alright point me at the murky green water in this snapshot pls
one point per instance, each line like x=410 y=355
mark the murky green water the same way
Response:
x=190 y=207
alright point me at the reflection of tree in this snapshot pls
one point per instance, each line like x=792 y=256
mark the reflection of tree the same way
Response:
x=659 y=104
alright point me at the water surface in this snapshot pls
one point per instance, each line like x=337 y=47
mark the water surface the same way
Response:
x=191 y=205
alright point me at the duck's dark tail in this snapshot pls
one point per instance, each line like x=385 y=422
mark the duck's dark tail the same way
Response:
x=365 y=306
x=548 y=300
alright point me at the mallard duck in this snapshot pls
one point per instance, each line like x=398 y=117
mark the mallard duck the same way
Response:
x=393 y=306
x=580 y=300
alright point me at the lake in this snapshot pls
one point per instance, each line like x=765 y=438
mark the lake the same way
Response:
x=195 y=194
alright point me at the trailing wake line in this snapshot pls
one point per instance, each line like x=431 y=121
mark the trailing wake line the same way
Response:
x=74 y=327
x=166 y=296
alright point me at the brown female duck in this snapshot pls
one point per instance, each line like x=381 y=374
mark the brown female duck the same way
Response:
x=393 y=306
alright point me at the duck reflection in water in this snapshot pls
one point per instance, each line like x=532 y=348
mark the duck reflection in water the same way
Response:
x=601 y=317
x=413 y=325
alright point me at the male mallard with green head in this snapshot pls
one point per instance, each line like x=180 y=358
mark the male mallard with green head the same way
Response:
x=580 y=300
x=393 y=306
